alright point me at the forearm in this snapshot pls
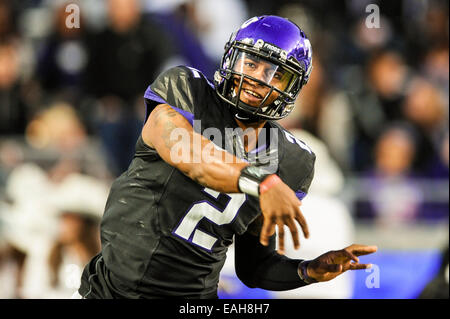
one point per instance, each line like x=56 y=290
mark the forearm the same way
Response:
x=211 y=166
x=220 y=176
x=194 y=155
x=260 y=266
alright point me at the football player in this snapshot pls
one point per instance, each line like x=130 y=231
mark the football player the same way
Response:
x=171 y=216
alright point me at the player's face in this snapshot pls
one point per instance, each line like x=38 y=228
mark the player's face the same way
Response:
x=254 y=92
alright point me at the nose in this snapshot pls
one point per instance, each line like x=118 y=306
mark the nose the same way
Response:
x=260 y=74
x=251 y=81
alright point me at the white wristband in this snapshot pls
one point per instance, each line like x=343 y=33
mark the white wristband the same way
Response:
x=249 y=186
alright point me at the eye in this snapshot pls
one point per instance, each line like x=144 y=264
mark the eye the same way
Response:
x=250 y=64
x=278 y=76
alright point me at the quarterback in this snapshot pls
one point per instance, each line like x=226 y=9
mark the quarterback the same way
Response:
x=168 y=223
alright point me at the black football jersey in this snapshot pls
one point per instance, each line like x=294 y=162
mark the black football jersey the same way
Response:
x=162 y=233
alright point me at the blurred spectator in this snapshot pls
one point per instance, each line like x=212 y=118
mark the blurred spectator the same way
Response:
x=178 y=19
x=425 y=108
x=387 y=77
x=33 y=197
x=14 y=110
x=93 y=12
x=123 y=60
x=53 y=233
x=436 y=208
x=11 y=269
x=215 y=20
x=11 y=155
x=375 y=100
x=394 y=153
x=62 y=57
x=7 y=20
x=27 y=223
x=436 y=68
x=366 y=40
x=80 y=201
x=131 y=51
x=58 y=132
x=436 y=23
x=424 y=26
x=392 y=196
x=56 y=127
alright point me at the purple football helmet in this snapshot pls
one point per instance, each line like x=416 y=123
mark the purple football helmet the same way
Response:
x=285 y=54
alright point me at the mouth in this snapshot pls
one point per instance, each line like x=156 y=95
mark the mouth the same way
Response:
x=255 y=94
x=251 y=95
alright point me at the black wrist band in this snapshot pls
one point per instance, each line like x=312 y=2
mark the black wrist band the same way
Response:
x=303 y=273
x=250 y=178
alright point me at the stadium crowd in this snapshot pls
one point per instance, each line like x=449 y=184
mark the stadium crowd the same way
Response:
x=71 y=109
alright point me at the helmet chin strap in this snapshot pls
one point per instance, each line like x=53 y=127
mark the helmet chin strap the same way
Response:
x=247 y=118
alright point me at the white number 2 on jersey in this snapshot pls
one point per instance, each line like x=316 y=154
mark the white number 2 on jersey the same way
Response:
x=187 y=228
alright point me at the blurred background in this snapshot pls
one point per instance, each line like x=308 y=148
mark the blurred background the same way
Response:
x=375 y=112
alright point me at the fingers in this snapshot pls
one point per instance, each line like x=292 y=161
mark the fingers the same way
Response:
x=342 y=268
x=267 y=230
x=294 y=232
x=360 y=250
x=302 y=221
x=356 y=266
x=290 y=223
x=280 y=238
x=350 y=256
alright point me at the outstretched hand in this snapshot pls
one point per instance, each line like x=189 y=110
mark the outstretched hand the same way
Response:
x=333 y=263
x=280 y=206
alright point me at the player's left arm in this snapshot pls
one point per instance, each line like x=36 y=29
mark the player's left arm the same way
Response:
x=261 y=266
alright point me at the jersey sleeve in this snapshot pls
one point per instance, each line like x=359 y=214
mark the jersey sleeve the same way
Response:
x=305 y=182
x=297 y=165
x=175 y=87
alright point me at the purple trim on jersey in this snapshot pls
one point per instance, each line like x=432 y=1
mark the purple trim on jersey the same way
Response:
x=149 y=94
x=300 y=195
x=187 y=115
x=209 y=82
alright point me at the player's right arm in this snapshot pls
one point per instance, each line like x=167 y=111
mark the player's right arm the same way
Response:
x=202 y=163
x=279 y=204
